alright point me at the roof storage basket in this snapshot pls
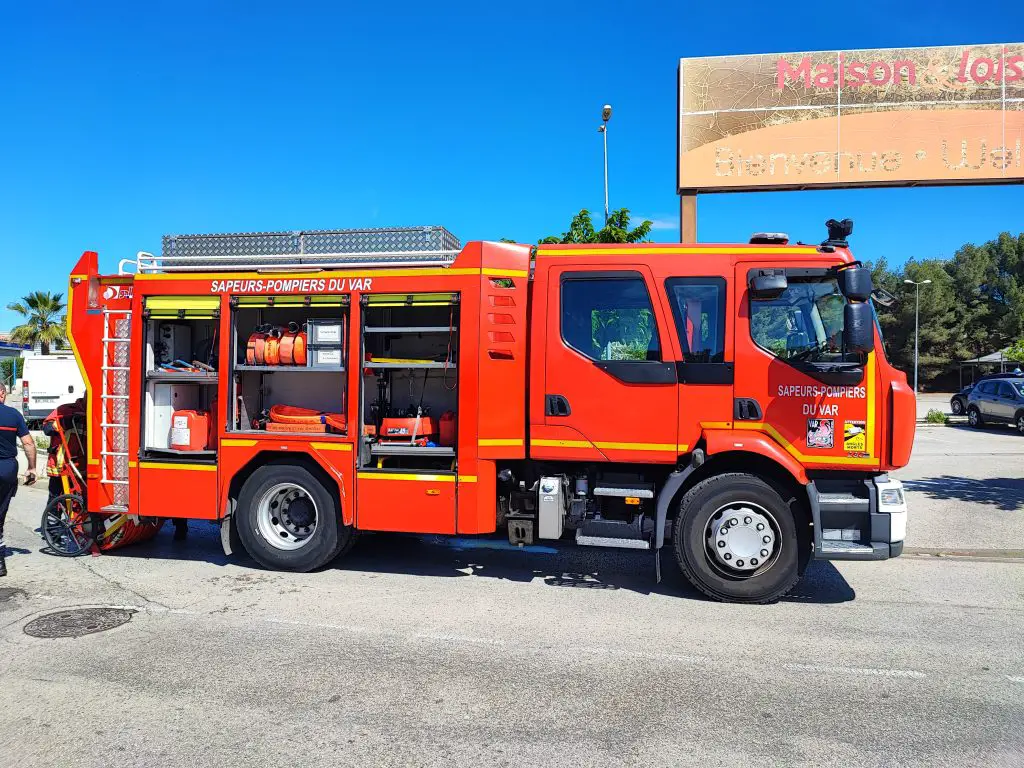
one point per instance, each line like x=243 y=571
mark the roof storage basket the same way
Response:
x=322 y=249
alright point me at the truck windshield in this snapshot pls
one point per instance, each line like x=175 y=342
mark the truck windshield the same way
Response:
x=804 y=323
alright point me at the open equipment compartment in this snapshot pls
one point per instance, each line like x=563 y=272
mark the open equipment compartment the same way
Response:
x=409 y=382
x=289 y=364
x=181 y=365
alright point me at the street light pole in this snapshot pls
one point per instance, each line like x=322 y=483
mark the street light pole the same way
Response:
x=606 y=115
x=917 y=315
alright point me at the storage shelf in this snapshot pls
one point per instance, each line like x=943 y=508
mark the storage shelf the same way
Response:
x=178 y=452
x=182 y=377
x=412 y=329
x=287 y=368
x=408 y=365
x=397 y=449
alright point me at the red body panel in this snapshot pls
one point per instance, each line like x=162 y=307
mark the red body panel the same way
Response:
x=406 y=502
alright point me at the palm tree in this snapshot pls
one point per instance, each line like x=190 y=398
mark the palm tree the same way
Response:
x=45 y=322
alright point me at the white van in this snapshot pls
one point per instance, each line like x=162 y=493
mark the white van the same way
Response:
x=49 y=381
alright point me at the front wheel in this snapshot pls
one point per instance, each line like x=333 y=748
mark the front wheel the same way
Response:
x=736 y=540
x=1019 y=421
x=288 y=520
x=974 y=417
x=956 y=406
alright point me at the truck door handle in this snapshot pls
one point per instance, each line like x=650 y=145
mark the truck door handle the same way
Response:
x=747 y=409
x=556 y=405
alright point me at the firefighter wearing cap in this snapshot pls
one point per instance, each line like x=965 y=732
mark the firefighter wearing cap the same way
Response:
x=12 y=428
x=55 y=458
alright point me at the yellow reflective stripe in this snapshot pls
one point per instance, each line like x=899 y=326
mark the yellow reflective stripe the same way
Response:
x=706 y=250
x=208 y=303
x=185 y=314
x=79 y=277
x=613 y=446
x=397 y=476
x=560 y=443
x=716 y=424
x=233 y=443
x=682 y=447
x=494 y=442
x=291 y=300
x=870 y=371
x=490 y=272
x=758 y=426
x=227 y=274
x=637 y=446
x=467 y=478
x=331 y=446
x=132 y=464
x=168 y=465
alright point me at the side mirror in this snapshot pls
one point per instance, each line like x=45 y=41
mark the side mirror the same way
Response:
x=858 y=327
x=855 y=283
x=768 y=285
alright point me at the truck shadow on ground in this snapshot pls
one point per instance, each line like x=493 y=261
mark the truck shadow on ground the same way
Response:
x=1005 y=493
x=570 y=567
x=493 y=557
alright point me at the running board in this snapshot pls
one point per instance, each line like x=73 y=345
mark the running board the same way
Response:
x=852 y=550
x=114 y=509
x=608 y=541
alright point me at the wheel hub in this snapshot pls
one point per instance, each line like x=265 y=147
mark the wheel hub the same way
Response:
x=741 y=537
x=286 y=516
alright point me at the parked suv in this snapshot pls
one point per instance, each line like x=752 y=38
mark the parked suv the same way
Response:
x=997 y=400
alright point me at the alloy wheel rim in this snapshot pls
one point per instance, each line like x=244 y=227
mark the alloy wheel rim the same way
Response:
x=742 y=539
x=287 y=516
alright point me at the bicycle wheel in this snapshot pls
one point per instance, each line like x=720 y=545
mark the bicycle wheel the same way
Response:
x=66 y=527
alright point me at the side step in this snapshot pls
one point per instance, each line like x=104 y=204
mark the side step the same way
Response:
x=852 y=550
x=114 y=509
x=843 y=502
x=611 y=533
x=635 y=490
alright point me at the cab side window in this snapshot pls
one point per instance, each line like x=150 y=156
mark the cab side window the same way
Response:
x=609 y=318
x=698 y=306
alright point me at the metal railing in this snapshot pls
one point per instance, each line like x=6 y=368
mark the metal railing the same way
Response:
x=313 y=250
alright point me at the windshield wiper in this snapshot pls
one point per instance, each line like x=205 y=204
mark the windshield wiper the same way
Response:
x=801 y=356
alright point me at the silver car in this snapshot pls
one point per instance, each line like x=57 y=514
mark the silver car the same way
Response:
x=997 y=401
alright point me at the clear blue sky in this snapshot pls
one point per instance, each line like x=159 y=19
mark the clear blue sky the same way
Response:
x=123 y=122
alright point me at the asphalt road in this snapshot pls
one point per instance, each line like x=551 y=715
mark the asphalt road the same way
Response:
x=417 y=651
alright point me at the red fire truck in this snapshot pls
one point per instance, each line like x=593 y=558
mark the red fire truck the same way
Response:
x=732 y=402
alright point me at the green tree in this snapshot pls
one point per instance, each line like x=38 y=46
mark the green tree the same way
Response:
x=617 y=230
x=11 y=369
x=45 y=322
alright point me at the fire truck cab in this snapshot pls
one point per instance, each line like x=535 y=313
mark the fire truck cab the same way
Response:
x=731 y=402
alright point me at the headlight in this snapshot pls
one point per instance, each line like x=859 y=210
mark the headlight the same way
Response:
x=891 y=497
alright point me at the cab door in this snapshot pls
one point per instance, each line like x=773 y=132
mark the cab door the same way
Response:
x=609 y=380
x=816 y=400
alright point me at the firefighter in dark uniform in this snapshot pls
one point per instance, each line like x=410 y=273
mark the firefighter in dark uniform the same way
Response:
x=12 y=428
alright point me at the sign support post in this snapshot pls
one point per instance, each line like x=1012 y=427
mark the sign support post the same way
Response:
x=688 y=216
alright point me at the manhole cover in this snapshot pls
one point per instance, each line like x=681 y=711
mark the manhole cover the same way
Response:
x=77 y=622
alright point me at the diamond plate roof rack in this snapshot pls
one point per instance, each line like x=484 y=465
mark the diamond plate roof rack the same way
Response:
x=318 y=249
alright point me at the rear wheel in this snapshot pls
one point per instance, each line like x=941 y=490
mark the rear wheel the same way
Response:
x=736 y=540
x=956 y=406
x=288 y=520
x=974 y=417
x=1019 y=422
